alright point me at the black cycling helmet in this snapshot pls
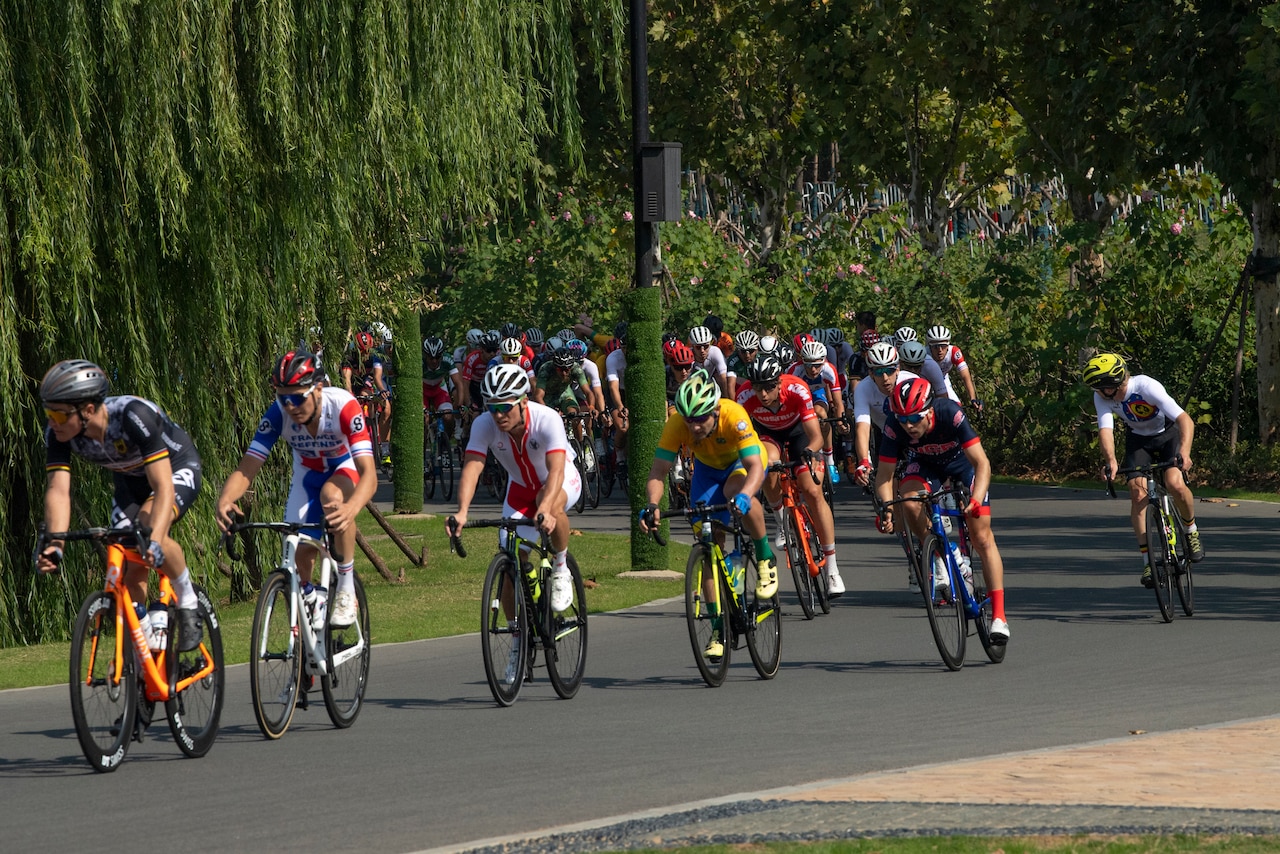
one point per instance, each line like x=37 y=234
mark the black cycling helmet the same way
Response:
x=563 y=358
x=765 y=369
x=74 y=381
x=489 y=343
x=433 y=347
x=620 y=330
x=511 y=330
x=533 y=337
x=296 y=368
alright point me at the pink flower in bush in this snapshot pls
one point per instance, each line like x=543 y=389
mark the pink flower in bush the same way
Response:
x=1176 y=228
x=695 y=281
x=626 y=216
x=982 y=235
x=857 y=269
x=567 y=216
x=529 y=259
x=877 y=289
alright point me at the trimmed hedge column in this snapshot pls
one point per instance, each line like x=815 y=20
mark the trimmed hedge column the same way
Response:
x=407 y=423
x=647 y=402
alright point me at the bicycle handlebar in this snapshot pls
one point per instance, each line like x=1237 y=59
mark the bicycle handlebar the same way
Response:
x=135 y=538
x=1142 y=471
x=792 y=465
x=507 y=524
x=702 y=511
x=228 y=538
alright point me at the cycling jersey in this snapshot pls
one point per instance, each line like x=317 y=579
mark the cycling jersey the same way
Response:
x=940 y=382
x=818 y=385
x=714 y=365
x=525 y=459
x=615 y=368
x=733 y=439
x=592 y=371
x=340 y=437
x=869 y=402
x=794 y=406
x=440 y=374
x=953 y=358
x=562 y=391
x=736 y=366
x=951 y=434
x=1147 y=409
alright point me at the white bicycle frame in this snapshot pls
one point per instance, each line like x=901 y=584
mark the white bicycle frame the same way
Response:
x=316 y=660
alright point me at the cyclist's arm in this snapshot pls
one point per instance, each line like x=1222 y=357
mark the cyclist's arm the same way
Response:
x=969 y=387
x=238 y=483
x=862 y=440
x=472 y=466
x=1186 y=431
x=615 y=394
x=537 y=394
x=656 y=486
x=378 y=381
x=57 y=509
x=1107 y=443
x=812 y=434
x=754 y=464
x=347 y=373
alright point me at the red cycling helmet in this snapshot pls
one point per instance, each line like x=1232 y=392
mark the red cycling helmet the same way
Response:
x=910 y=397
x=669 y=351
x=296 y=368
x=364 y=342
x=681 y=355
x=870 y=338
x=614 y=344
x=800 y=340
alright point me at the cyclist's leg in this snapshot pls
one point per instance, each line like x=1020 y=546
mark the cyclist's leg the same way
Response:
x=338 y=489
x=706 y=486
x=1137 y=454
x=753 y=524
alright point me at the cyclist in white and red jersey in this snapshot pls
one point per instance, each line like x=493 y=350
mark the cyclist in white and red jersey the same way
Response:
x=334 y=473
x=870 y=405
x=708 y=356
x=782 y=411
x=473 y=370
x=827 y=392
x=949 y=358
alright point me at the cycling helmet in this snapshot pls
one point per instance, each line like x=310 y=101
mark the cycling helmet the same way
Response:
x=800 y=340
x=577 y=347
x=533 y=337
x=296 y=368
x=565 y=334
x=614 y=344
x=563 y=358
x=473 y=337
x=715 y=324
x=668 y=350
x=882 y=355
x=785 y=354
x=1105 y=370
x=554 y=343
x=814 y=353
x=74 y=381
x=889 y=339
x=364 y=342
x=912 y=354
x=869 y=339
x=504 y=384
x=489 y=342
x=700 y=335
x=938 y=335
x=905 y=334
x=697 y=396
x=911 y=396
x=433 y=347
x=511 y=347
x=768 y=344
x=748 y=340
x=511 y=330
x=765 y=369
x=835 y=336
x=380 y=332
x=669 y=336
x=620 y=330
x=681 y=355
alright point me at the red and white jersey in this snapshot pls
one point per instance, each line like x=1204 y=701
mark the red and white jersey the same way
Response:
x=525 y=459
x=340 y=436
x=795 y=405
x=953 y=358
x=474 y=366
x=826 y=378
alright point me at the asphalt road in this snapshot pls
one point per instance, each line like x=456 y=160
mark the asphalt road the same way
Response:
x=433 y=762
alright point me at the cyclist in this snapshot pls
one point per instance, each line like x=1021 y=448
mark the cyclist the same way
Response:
x=945 y=446
x=615 y=380
x=869 y=409
x=827 y=393
x=1159 y=430
x=511 y=352
x=439 y=381
x=948 y=358
x=155 y=474
x=902 y=335
x=563 y=385
x=728 y=466
x=915 y=358
x=737 y=365
x=708 y=356
x=473 y=369
x=334 y=474
x=371 y=366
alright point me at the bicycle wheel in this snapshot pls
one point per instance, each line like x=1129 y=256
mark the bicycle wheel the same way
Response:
x=447 y=468
x=347 y=649
x=591 y=476
x=706 y=618
x=275 y=657
x=995 y=651
x=763 y=618
x=1182 y=567
x=820 y=583
x=829 y=491
x=946 y=612
x=430 y=462
x=605 y=462
x=1161 y=565
x=193 y=714
x=799 y=568
x=104 y=693
x=504 y=642
x=567 y=657
x=581 y=504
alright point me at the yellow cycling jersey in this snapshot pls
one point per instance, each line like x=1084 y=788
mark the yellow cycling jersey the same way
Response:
x=734 y=438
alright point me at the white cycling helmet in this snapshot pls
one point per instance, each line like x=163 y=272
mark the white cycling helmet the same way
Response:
x=814 y=353
x=912 y=354
x=380 y=331
x=504 y=383
x=768 y=344
x=474 y=336
x=700 y=335
x=747 y=340
x=882 y=355
x=938 y=335
x=511 y=347
x=905 y=334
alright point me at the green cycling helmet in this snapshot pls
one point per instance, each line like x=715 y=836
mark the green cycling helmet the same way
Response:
x=1105 y=370
x=697 y=396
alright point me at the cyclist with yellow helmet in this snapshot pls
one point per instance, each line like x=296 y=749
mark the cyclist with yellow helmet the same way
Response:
x=1159 y=430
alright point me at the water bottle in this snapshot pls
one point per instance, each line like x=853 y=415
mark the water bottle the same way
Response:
x=318 y=614
x=309 y=599
x=735 y=569
x=158 y=615
x=144 y=621
x=534 y=575
x=966 y=568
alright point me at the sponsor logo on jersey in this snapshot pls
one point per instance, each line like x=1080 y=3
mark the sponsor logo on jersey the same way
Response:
x=142 y=428
x=1137 y=409
x=958 y=419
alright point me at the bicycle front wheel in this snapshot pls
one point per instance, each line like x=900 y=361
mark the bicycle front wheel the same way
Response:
x=944 y=606
x=581 y=504
x=591 y=474
x=763 y=619
x=275 y=657
x=446 y=467
x=197 y=676
x=104 y=691
x=1182 y=567
x=799 y=567
x=430 y=461
x=347 y=649
x=504 y=639
x=820 y=582
x=1161 y=561
x=707 y=619
x=566 y=654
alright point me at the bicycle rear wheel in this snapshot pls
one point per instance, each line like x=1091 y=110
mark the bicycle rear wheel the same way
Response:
x=567 y=657
x=605 y=462
x=104 y=694
x=821 y=593
x=763 y=618
x=704 y=618
x=1182 y=567
x=447 y=472
x=946 y=612
x=347 y=649
x=504 y=642
x=193 y=714
x=581 y=504
x=799 y=568
x=1161 y=562
x=275 y=657
x=430 y=462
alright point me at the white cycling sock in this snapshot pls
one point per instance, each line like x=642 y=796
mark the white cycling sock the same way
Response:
x=346 y=577
x=184 y=591
x=829 y=552
x=558 y=563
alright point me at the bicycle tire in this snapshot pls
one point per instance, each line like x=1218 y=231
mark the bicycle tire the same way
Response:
x=795 y=558
x=1161 y=565
x=347 y=652
x=829 y=491
x=194 y=712
x=99 y=702
x=275 y=657
x=591 y=474
x=946 y=614
x=995 y=651
x=699 y=618
x=763 y=620
x=821 y=584
x=447 y=468
x=607 y=468
x=500 y=637
x=430 y=459
x=568 y=639
x=1182 y=567
x=581 y=504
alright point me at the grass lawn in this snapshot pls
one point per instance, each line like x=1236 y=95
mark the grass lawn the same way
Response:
x=1078 y=844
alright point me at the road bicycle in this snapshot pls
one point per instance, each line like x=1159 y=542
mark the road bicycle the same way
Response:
x=585 y=456
x=954 y=609
x=1168 y=547
x=828 y=485
x=717 y=599
x=370 y=401
x=116 y=678
x=437 y=457
x=679 y=478
x=608 y=461
x=516 y=618
x=288 y=651
x=494 y=476
x=804 y=554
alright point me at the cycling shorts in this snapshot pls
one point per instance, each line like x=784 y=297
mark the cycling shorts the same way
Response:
x=304 y=505
x=707 y=485
x=793 y=440
x=436 y=397
x=1142 y=451
x=521 y=502
x=130 y=492
x=924 y=474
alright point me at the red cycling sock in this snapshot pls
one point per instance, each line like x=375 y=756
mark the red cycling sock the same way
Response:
x=997 y=604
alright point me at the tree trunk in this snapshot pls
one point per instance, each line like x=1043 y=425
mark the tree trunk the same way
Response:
x=1266 y=301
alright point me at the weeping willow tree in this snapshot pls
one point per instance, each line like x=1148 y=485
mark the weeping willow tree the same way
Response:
x=188 y=187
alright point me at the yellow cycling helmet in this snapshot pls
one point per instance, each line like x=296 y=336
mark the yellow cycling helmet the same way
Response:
x=1105 y=370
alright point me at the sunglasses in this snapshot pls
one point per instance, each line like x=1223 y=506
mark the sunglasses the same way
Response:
x=500 y=408
x=768 y=386
x=1105 y=392
x=884 y=372
x=682 y=367
x=59 y=417
x=294 y=400
x=912 y=419
x=697 y=419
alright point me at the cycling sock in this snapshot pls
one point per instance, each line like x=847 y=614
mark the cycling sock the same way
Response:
x=763 y=552
x=558 y=561
x=1191 y=526
x=346 y=578
x=828 y=456
x=1146 y=558
x=184 y=590
x=997 y=604
x=829 y=553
